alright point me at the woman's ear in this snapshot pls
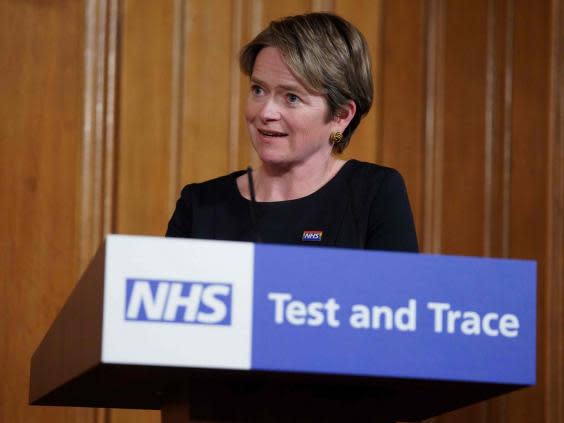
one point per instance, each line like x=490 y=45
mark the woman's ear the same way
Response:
x=344 y=116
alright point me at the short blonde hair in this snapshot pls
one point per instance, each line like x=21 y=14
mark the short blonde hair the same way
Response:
x=328 y=53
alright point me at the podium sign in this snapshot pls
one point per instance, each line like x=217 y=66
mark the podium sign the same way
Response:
x=397 y=315
x=401 y=322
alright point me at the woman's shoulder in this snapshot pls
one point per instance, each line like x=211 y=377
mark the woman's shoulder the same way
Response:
x=369 y=183
x=371 y=174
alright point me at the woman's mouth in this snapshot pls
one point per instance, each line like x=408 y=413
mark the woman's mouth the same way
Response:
x=269 y=133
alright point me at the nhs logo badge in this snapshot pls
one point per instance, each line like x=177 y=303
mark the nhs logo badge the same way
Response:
x=312 y=236
x=149 y=300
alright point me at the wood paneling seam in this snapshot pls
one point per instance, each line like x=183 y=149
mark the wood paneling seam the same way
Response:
x=235 y=88
x=110 y=118
x=439 y=129
x=256 y=27
x=177 y=99
x=97 y=163
x=433 y=129
x=554 y=373
x=322 y=5
x=378 y=74
x=99 y=123
x=430 y=81
x=87 y=190
x=490 y=100
x=507 y=129
x=257 y=17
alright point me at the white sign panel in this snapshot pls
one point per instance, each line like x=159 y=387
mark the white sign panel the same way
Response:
x=178 y=302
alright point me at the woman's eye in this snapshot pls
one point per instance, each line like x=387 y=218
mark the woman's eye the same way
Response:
x=256 y=90
x=293 y=99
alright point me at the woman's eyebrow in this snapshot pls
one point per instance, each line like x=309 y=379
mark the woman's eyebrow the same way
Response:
x=286 y=87
x=257 y=81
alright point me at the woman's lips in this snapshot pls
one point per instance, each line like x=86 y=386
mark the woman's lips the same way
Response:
x=269 y=133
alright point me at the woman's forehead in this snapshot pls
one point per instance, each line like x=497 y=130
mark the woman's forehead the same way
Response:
x=271 y=69
x=270 y=64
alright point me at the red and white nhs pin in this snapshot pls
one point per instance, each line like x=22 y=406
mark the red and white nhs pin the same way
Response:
x=312 y=236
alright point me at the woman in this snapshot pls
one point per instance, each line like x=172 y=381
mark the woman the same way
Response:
x=310 y=86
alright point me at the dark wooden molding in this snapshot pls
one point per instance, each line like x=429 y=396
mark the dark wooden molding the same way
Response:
x=554 y=294
x=432 y=225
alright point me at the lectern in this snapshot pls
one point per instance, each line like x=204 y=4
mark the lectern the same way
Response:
x=233 y=331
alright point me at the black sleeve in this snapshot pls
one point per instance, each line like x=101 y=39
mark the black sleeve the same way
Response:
x=390 y=225
x=180 y=224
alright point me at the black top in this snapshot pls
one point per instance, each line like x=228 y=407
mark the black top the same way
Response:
x=363 y=206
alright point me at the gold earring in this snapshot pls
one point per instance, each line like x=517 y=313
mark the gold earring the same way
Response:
x=335 y=137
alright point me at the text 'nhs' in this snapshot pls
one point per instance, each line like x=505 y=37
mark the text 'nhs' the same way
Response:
x=178 y=302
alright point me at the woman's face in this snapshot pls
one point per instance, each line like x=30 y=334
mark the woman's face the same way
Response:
x=288 y=124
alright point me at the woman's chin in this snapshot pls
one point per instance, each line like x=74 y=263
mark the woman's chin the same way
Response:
x=270 y=155
x=273 y=160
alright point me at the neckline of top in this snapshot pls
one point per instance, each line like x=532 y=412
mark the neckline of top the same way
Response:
x=314 y=194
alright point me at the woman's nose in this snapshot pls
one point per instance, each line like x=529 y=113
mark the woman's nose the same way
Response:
x=269 y=110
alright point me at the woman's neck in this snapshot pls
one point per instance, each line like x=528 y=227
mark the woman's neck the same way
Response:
x=274 y=183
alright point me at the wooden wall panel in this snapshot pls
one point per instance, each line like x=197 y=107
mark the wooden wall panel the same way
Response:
x=144 y=159
x=41 y=85
x=464 y=85
x=205 y=144
x=401 y=97
x=272 y=10
x=130 y=416
x=430 y=231
x=97 y=165
x=554 y=290
x=498 y=90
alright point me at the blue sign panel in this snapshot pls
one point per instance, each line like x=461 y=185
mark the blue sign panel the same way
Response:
x=394 y=315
